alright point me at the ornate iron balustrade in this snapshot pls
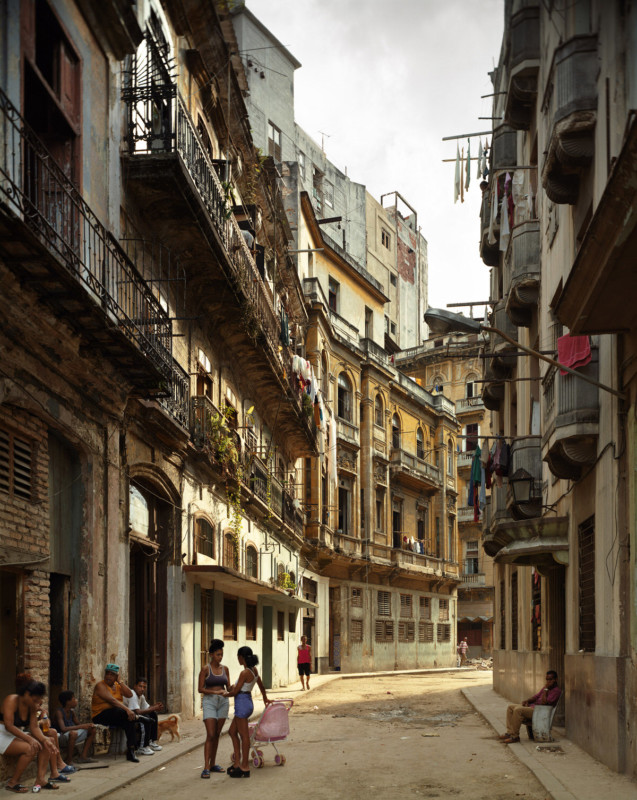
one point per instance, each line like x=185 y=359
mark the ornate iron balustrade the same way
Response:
x=202 y=410
x=177 y=404
x=47 y=202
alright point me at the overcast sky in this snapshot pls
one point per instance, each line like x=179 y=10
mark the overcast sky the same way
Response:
x=386 y=81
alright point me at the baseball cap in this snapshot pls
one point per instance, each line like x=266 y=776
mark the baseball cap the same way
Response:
x=112 y=668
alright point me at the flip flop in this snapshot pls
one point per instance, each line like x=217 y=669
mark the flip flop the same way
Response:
x=205 y=773
x=61 y=779
x=217 y=768
x=17 y=787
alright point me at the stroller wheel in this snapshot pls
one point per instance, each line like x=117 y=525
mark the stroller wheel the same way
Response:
x=260 y=753
x=279 y=759
x=258 y=761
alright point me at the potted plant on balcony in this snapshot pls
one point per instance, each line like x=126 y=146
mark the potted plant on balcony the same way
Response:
x=286 y=583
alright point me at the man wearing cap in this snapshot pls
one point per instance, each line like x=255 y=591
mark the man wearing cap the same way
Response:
x=107 y=707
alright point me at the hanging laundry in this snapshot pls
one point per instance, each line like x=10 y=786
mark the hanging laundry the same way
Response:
x=461 y=174
x=485 y=167
x=494 y=212
x=456 y=182
x=317 y=414
x=518 y=196
x=479 y=173
x=573 y=351
x=505 y=229
x=468 y=180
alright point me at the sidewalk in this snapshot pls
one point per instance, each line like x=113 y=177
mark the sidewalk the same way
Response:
x=565 y=771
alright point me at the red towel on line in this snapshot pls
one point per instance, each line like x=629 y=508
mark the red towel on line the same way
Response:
x=573 y=351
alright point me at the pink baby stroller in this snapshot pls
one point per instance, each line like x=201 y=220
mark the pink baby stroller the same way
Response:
x=273 y=726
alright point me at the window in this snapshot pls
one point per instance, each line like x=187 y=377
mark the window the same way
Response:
x=378 y=411
x=385 y=238
x=204 y=538
x=317 y=188
x=420 y=444
x=395 y=432
x=369 y=323
x=514 y=611
x=380 y=509
x=586 y=584
x=425 y=607
x=443 y=610
x=251 y=622
x=343 y=509
x=308 y=480
x=252 y=562
x=344 y=409
x=332 y=294
x=302 y=164
x=406 y=631
x=502 y=617
x=384 y=604
x=450 y=458
x=325 y=375
x=471 y=432
x=292 y=621
x=425 y=631
x=207 y=622
x=15 y=465
x=392 y=328
x=230 y=618
x=362 y=511
x=392 y=279
x=280 y=626
x=356 y=630
x=406 y=605
x=536 y=616
x=437 y=542
x=357 y=598
x=397 y=522
x=470 y=387
x=328 y=194
x=443 y=633
x=471 y=564
x=229 y=553
x=384 y=630
x=451 y=550
x=274 y=141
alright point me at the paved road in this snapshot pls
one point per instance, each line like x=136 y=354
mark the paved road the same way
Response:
x=408 y=736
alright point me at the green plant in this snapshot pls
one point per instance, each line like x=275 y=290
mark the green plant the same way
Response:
x=234 y=501
x=228 y=198
x=222 y=438
x=286 y=582
x=306 y=402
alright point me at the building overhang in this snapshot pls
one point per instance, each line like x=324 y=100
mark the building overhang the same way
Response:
x=230 y=581
x=603 y=274
x=479 y=618
x=542 y=541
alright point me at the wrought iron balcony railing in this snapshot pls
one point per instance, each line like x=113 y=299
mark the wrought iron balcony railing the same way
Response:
x=43 y=198
x=177 y=403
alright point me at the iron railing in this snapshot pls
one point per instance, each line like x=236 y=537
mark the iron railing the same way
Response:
x=36 y=189
x=177 y=403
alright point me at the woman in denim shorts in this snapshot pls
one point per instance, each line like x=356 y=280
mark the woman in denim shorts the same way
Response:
x=214 y=680
x=243 y=708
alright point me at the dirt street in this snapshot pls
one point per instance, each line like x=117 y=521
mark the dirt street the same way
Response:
x=409 y=736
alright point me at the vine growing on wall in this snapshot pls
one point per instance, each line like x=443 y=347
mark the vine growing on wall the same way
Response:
x=234 y=501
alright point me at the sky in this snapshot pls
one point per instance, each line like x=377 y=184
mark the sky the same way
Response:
x=385 y=82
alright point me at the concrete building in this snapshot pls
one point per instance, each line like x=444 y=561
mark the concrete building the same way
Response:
x=451 y=366
x=381 y=497
x=150 y=421
x=562 y=529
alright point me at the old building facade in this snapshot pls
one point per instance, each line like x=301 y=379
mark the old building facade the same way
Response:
x=562 y=528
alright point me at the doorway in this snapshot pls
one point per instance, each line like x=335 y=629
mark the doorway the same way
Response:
x=8 y=632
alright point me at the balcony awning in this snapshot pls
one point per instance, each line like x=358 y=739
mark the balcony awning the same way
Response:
x=542 y=541
x=479 y=618
x=230 y=581
x=603 y=274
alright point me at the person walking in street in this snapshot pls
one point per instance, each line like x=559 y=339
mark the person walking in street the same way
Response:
x=463 y=646
x=304 y=662
x=548 y=695
x=214 y=681
x=243 y=708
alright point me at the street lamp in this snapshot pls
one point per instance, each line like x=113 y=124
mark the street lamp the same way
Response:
x=521 y=483
x=441 y=321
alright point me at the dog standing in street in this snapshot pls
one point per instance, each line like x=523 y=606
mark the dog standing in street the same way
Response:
x=169 y=725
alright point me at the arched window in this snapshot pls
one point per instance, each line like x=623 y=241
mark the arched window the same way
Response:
x=449 y=457
x=204 y=537
x=395 y=432
x=229 y=554
x=420 y=444
x=292 y=578
x=378 y=411
x=280 y=572
x=252 y=562
x=344 y=397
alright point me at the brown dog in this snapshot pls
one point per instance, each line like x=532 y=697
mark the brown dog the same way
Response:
x=169 y=725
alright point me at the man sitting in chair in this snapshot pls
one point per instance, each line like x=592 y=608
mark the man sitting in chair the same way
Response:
x=517 y=714
x=107 y=707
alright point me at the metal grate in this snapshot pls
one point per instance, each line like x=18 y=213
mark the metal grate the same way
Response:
x=425 y=607
x=443 y=610
x=443 y=633
x=406 y=605
x=356 y=630
x=586 y=549
x=384 y=604
x=357 y=598
x=384 y=630
x=425 y=631
x=406 y=631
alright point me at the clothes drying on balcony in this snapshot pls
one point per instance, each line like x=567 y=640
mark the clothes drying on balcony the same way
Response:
x=573 y=351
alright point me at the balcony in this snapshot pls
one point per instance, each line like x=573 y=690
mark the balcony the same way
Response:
x=348 y=545
x=463 y=464
x=343 y=329
x=523 y=67
x=526 y=461
x=522 y=273
x=504 y=148
x=492 y=388
x=465 y=514
x=571 y=419
x=489 y=251
x=375 y=352
x=572 y=117
x=347 y=431
x=541 y=542
x=504 y=358
x=171 y=178
x=57 y=247
x=414 y=472
x=467 y=405
x=471 y=580
x=170 y=416
x=405 y=558
x=496 y=536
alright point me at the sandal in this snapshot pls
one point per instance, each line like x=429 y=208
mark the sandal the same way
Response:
x=240 y=773
x=17 y=787
x=205 y=773
x=512 y=740
x=60 y=779
x=48 y=785
x=217 y=768
x=231 y=770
